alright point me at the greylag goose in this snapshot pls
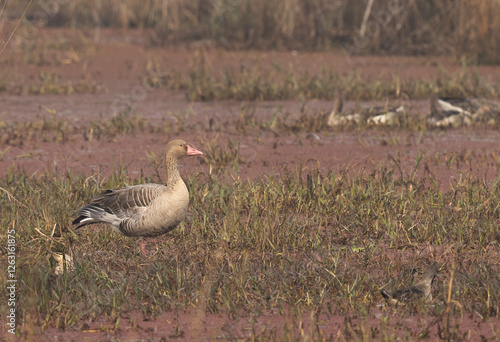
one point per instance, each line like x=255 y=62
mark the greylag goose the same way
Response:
x=145 y=210
x=375 y=115
x=446 y=112
x=422 y=289
x=457 y=112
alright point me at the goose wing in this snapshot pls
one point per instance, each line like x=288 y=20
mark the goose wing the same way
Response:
x=115 y=206
x=125 y=202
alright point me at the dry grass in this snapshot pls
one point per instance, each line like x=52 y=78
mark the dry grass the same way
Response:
x=476 y=38
x=466 y=28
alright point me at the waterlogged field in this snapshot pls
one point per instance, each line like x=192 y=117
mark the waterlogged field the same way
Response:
x=293 y=226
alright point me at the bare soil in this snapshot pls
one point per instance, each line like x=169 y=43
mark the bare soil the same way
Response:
x=118 y=66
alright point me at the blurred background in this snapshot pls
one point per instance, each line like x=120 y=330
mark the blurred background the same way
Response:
x=465 y=29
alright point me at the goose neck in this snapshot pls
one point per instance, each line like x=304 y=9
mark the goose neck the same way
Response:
x=173 y=175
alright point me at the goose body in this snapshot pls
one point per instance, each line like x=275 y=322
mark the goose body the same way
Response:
x=145 y=210
x=422 y=289
x=375 y=115
x=446 y=112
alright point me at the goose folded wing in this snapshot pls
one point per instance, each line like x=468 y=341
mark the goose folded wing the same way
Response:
x=130 y=201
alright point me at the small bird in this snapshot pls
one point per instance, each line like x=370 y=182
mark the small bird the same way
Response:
x=145 y=210
x=422 y=289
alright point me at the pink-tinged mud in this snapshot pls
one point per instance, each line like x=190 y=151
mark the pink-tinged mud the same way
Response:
x=195 y=326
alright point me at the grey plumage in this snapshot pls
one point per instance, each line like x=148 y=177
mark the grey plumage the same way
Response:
x=450 y=112
x=422 y=289
x=457 y=112
x=144 y=210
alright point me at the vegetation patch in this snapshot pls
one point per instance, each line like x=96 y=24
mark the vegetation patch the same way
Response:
x=323 y=242
x=203 y=83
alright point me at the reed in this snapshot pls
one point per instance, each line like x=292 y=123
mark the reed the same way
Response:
x=466 y=28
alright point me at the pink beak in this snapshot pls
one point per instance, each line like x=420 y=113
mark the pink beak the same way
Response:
x=193 y=152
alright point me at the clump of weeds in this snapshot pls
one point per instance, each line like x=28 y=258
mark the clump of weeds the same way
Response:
x=123 y=122
x=49 y=84
x=203 y=83
x=42 y=129
x=54 y=128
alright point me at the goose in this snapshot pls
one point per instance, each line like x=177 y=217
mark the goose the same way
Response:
x=446 y=112
x=145 y=210
x=455 y=112
x=422 y=289
x=375 y=115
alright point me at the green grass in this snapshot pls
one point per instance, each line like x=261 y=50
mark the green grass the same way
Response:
x=203 y=83
x=53 y=128
x=321 y=242
x=50 y=84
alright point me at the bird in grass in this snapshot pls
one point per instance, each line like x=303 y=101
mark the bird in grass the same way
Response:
x=145 y=210
x=455 y=112
x=451 y=112
x=422 y=289
x=374 y=115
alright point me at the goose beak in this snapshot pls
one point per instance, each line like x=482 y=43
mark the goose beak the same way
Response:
x=193 y=152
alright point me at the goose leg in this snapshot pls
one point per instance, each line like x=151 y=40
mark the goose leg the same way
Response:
x=142 y=244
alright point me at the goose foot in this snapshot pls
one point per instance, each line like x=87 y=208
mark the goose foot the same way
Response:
x=142 y=244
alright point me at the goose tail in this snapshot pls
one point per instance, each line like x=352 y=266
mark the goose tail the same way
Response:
x=385 y=294
x=88 y=215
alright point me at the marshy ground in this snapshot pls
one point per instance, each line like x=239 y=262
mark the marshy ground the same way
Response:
x=293 y=226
